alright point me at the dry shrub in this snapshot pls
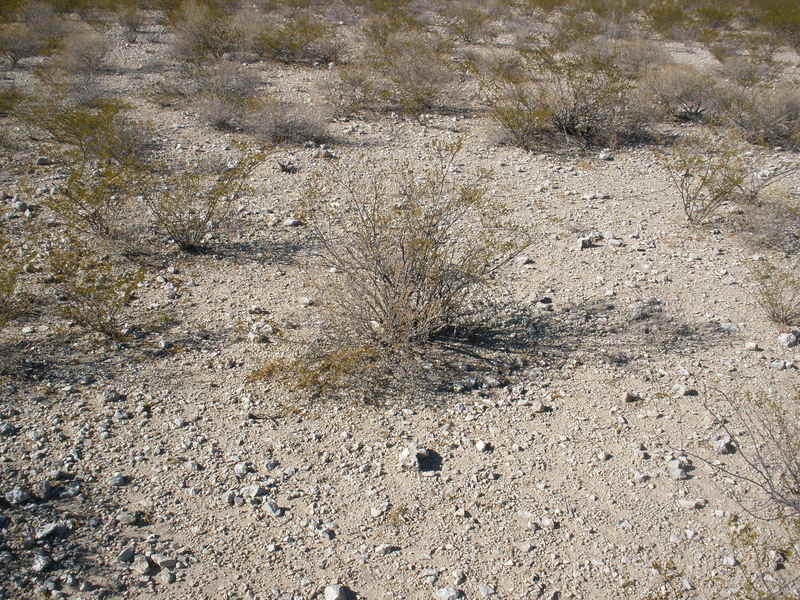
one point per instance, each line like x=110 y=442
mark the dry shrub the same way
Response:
x=745 y=70
x=279 y=122
x=681 y=92
x=632 y=58
x=226 y=94
x=706 y=172
x=468 y=22
x=778 y=292
x=10 y=267
x=769 y=117
x=410 y=254
x=19 y=41
x=582 y=99
x=202 y=32
x=411 y=73
x=83 y=55
x=302 y=39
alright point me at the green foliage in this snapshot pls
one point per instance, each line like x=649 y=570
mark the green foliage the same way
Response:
x=706 y=173
x=299 y=40
x=101 y=132
x=664 y=16
x=94 y=294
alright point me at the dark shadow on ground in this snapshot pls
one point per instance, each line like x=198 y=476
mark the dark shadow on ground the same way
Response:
x=513 y=340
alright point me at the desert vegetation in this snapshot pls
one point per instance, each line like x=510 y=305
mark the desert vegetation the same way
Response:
x=251 y=252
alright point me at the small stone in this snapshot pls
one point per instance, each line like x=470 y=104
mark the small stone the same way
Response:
x=752 y=346
x=17 y=496
x=43 y=161
x=678 y=467
x=273 y=508
x=730 y=561
x=384 y=549
x=41 y=562
x=241 y=469
x=584 y=243
x=605 y=155
x=51 y=529
x=483 y=446
x=305 y=301
x=679 y=390
x=723 y=444
x=410 y=455
x=141 y=565
x=448 y=593
x=789 y=339
x=640 y=477
x=632 y=397
x=44 y=490
x=163 y=561
x=692 y=503
x=126 y=518
x=127 y=554
x=336 y=592
x=118 y=480
x=7 y=429
x=253 y=491
x=486 y=591
x=292 y=222
x=166 y=577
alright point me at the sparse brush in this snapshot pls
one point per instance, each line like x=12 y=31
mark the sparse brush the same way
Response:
x=202 y=32
x=101 y=133
x=467 y=22
x=226 y=94
x=277 y=122
x=19 y=41
x=706 y=173
x=299 y=40
x=682 y=92
x=410 y=248
x=584 y=99
x=10 y=268
x=778 y=292
x=187 y=206
x=99 y=201
x=83 y=55
x=769 y=117
x=94 y=294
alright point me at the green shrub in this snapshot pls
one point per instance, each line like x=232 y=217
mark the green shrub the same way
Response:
x=706 y=173
x=98 y=201
x=93 y=293
x=102 y=132
x=82 y=55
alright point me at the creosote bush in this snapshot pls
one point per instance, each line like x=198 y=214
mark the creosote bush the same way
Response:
x=299 y=40
x=186 y=206
x=203 y=31
x=19 y=41
x=94 y=293
x=706 y=173
x=681 y=92
x=583 y=100
x=411 y=254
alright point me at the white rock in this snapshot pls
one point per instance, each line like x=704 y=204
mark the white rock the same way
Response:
x=335 y=592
